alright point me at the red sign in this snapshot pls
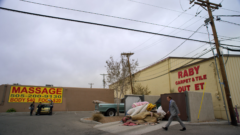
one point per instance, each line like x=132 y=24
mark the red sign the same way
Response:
x=186 y=77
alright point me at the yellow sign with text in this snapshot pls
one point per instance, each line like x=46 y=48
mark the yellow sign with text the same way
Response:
x=21 y=94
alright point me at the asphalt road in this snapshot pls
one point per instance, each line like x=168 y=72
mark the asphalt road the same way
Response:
x=60 y=123
x=199 y=130
x=63 y=123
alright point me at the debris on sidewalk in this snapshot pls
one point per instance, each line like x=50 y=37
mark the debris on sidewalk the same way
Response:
x=143 y=113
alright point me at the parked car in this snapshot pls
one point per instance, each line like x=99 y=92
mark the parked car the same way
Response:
x=45 y=109
x=109 y=109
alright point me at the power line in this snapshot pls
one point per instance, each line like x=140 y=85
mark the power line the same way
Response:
x=231 y=10
x=105 y=15
x=181 y=4
x=168 y=72
x=229 y=22
x=161 y=7
x=230 y=45
x=155 y=43
x=158 y=32
x=162 y=29
x=195 y=50
x=110 y=26
x=176 y=47
x=236 y=50
x=181 y=43
x=114 y=16
x=171 y=64
x=228 y=15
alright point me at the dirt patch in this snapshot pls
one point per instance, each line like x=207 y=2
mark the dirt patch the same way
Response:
x=108 y=119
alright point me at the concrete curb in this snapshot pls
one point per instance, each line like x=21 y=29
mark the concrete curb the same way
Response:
x=209 y=123
x=89 y=121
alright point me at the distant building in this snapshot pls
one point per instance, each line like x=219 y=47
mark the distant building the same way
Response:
x=19 y=97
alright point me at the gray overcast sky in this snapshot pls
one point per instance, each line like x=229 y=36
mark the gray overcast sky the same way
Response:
x=38 y=51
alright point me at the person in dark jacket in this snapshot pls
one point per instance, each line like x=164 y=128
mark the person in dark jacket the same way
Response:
x=51 y=107
x=173 y=110
x=32 y=108
x=39 y=108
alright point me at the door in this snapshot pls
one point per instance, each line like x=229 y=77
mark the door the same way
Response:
x=180 y=100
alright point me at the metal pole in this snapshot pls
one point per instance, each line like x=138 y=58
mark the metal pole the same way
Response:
x=219 y=78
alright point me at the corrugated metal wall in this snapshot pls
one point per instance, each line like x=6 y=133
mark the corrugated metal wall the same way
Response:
x=233 y=74
x=176 y=62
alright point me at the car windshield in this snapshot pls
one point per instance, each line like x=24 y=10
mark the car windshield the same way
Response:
x=45 y=105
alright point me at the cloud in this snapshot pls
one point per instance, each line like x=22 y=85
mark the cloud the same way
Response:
x=38 y=51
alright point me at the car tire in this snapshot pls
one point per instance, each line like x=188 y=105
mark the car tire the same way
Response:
x=111 y=112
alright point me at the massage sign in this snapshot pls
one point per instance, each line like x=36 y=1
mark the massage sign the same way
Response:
x=37 y=94
x=190 y=75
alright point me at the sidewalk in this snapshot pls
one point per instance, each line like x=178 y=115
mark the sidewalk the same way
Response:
x=117 y=128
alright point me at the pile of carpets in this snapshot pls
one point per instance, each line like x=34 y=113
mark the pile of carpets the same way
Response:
x=143 y=113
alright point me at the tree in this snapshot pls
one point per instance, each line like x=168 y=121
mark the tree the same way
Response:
x=141 y=90
x=118 y=76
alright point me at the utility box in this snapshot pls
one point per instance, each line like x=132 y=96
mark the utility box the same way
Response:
x=194 y=102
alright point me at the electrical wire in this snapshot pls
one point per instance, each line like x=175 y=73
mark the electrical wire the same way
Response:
x=224 y=39
x=171 y=66
x=110 y=16
x=177 y=46
x=230 y=49
x=189 y=53
x=158 y=32
x=168 y=72
x=230 y=10
x=230 y=45
x=181 y=43
x=228 y=15
x=229 y=22
x=162 y=29
x=111 y=26
x=181 y=5
x=161 y=7
x=116 y=16
x=65 y=19
x=155 y=43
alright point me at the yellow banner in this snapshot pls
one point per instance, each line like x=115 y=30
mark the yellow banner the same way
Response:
x=21 y=94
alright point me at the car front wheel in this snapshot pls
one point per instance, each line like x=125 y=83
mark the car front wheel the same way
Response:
x=111 y=112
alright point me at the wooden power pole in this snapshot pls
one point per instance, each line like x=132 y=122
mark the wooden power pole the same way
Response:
x=210 y=6
x=129 y=66
x=104 y=82
x=91 y=84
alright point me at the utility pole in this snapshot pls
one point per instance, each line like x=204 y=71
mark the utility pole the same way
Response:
x=128 y=55
x=209 y=6
x=104 y=82
x=91 y=84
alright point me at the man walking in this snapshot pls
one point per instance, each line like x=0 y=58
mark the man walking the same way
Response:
x=173 y=109
x=32 y=108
